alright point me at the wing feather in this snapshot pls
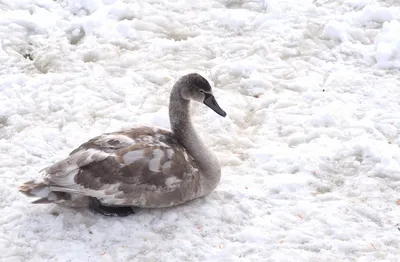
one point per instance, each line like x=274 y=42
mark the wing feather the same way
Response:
x=131 y=168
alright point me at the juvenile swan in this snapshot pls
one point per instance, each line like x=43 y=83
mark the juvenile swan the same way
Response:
x=139 y=167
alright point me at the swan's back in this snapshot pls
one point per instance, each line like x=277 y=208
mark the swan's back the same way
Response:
x=143 y=167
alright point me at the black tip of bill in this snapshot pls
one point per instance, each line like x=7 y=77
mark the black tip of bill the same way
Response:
x=210 y=101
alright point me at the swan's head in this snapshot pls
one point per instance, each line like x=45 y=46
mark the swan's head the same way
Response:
x=198 y=89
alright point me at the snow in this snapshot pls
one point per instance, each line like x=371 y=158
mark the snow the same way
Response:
x=310 y=149
x=388 y=45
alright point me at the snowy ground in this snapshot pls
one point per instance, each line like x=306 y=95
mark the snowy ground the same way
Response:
x=310 y=148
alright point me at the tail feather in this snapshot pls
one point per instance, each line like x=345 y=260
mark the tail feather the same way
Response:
x=42 y=190
x=58 y=180
x=32 y=188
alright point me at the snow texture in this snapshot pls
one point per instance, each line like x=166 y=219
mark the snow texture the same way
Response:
x=310 y=149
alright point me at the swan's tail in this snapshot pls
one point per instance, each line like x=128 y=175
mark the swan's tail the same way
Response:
x=43 y=192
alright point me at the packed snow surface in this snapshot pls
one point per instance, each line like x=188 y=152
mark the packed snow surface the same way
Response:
x=310 y=149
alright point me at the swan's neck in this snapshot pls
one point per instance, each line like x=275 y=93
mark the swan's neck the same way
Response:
x=182 y=127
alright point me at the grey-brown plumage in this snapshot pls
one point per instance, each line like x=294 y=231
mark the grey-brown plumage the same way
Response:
x=141 y=167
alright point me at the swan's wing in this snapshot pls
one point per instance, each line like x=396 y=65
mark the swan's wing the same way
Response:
x=93 y=151
x=145 y=170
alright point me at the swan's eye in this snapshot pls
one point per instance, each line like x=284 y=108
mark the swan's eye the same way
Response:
x=201 y=91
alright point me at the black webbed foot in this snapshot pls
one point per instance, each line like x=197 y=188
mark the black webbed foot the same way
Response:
x=96 y=206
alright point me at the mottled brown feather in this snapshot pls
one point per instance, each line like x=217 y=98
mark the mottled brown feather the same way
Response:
x=133 y=181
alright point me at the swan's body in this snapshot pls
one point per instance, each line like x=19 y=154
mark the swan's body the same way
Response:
x=141 y=167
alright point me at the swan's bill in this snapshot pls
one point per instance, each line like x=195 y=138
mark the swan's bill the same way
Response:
x=210 y=101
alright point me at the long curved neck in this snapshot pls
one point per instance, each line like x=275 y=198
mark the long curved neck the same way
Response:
x=182 y=127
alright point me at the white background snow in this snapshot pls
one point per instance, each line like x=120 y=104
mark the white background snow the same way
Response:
x=310 y=149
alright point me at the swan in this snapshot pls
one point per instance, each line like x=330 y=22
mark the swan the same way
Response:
x=142 y=167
